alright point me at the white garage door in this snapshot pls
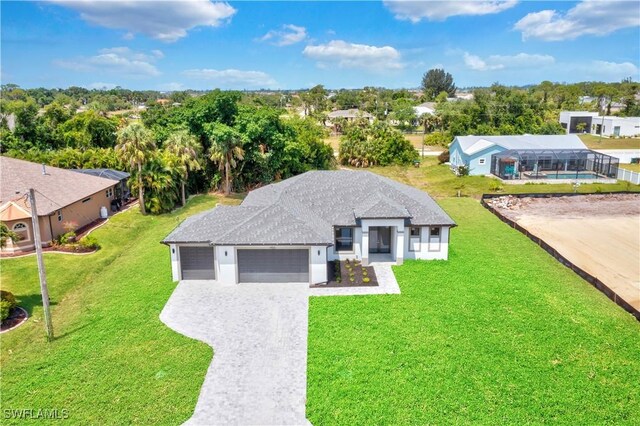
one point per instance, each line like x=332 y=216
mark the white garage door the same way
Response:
x=196 y=263
x=273 y=266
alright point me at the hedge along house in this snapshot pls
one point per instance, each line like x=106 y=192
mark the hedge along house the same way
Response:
x=289 y=231
x=63 y=198
x=528 y=156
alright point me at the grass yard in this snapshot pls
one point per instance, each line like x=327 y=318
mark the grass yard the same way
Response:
x=595 y=142
x=439 y=181
x=632 y=167
x=501 y=333
x=112 y=358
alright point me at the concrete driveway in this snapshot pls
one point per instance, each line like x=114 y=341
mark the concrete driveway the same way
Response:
x=259 y=336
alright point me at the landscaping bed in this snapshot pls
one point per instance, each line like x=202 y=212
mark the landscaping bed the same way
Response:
x=16 y=317
x=350 y=273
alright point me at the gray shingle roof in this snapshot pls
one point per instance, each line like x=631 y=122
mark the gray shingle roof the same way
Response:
x=303 y=210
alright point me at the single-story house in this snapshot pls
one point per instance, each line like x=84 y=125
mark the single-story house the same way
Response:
x=350 y=115
x=610 y=125
x=63 y=199
x=289 y=231
x=523 y=156
x=428 y=108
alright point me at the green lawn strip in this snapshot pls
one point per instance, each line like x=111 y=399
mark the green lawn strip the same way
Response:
x=633 y=167
x=596 y=142
x=499 y=333
x=113 y=359
x=439 y=181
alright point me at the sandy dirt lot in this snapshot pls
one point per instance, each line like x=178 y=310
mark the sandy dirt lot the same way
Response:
x=599 y=233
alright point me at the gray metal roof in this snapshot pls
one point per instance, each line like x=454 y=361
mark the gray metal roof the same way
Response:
x=105 y=173
x=304 y=210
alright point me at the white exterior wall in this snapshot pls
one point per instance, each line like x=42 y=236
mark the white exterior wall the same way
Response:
x=225 y=259
x=318 y=267
x=175 y=262
x=429 y=250
x=396 y=249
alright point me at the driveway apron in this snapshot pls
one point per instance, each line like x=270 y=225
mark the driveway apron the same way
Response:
x=259 y=336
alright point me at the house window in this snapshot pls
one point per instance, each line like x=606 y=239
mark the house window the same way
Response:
x=344 y=239
x=414 y=238
x=109 y=192
x=435 y=232
x=481 y=161
x=22 y=231
x=86 y=200
x=59 y=212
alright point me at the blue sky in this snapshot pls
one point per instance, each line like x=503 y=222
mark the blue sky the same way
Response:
x=171 y=45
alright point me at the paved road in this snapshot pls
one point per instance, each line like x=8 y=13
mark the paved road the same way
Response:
x=259 y=335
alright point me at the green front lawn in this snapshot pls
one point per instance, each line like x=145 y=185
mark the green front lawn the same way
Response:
x=439 y=181
x=113 y=361
x=501 y=333
x=596 y=142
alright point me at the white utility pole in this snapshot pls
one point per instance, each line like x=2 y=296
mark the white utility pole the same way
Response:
x=41 y=271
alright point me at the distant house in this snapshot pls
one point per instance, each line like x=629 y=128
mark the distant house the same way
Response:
x=428 y=108
x=530 y=157
x=610 y=126
x=9 y=120
x=63 y=199
x=350 y=115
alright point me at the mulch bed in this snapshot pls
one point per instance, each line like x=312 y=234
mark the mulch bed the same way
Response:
x=57 y=249
x=16 y=317
x=344 y=276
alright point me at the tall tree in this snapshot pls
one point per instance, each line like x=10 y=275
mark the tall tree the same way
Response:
x=435 y=81
x=226 y=148
x=134 y=147
x=186 y=148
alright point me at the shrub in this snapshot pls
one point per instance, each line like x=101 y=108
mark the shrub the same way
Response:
x=438 y=139
x=67 y=238
x=462 y=171
x=7 y=303
x=443 y=157
x=5 y=309
x=352 y=279
x=89 y=242
x=495 y=185
x=366 y=279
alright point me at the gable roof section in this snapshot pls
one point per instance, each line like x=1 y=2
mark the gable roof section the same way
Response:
x=55 y=189
x=473 y=144
x=304 y=210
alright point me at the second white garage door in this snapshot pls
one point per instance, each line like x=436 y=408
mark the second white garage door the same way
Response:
x=273 y=266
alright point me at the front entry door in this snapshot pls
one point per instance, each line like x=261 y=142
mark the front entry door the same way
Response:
x=380 y=239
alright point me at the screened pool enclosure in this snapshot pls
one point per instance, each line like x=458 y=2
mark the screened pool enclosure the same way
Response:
x=553 y=164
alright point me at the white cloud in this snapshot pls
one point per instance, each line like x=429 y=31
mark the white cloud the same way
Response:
x=437 y=10
x=167 y=21
x=614 y=70
x=117 y=60
x=288 y=35
x=351 y=55
x=232 y=78
x=586 y=18
x=171 y=87
x=498 y=62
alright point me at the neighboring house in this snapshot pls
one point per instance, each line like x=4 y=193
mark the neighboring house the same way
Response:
x=63 y=197
x=289 y=231
x=425 y=108
x=610 y=126
x=9 y=120
x=122 y=192
x=350 y=115
x=529 y=153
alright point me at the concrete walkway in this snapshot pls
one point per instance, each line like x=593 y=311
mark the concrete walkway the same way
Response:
x=259 y=336
x=258 y=375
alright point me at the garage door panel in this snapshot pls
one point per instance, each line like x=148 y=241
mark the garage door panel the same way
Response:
x=196 y=263
x=275 y=266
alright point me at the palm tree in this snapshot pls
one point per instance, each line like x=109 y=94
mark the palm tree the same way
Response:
x=226 y=148
x=186 y=148
x=134 y=147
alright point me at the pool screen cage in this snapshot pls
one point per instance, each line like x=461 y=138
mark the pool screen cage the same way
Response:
x=553 y=163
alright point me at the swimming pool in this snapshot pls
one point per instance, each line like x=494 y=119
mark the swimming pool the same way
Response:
x=569 y=176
